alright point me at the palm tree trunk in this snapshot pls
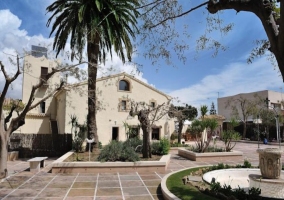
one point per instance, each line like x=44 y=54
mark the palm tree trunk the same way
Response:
x=92 y=50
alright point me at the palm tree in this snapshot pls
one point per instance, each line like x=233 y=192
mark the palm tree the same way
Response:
x=101 y=24
x=203 y=111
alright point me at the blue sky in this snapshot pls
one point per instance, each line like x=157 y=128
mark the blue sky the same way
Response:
x=196 y=82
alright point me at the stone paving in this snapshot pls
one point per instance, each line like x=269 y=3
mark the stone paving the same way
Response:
x=24 y=185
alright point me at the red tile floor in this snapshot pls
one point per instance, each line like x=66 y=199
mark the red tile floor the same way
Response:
x=24 y=185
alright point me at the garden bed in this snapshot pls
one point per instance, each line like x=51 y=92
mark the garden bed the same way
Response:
x=59 y=166
x=217 y=156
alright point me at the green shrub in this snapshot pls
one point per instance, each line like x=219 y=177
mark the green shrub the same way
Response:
x=165 y=146
x=155 y=148
x=118 y=151
x=240 y=193
x=174 y=135
x=161 y=147
x=247 y=164
x=111 y=152
x=128 y=154
x=229 y=138
x=175 y=144
x=133 y=142
x=100 y=145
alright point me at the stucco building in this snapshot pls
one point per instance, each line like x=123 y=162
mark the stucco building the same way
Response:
x=272 y=98
x=114 y=95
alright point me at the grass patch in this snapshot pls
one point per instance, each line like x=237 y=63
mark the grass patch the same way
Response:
x=175 y=185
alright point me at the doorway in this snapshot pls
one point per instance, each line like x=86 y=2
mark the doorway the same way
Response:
x=114 y=133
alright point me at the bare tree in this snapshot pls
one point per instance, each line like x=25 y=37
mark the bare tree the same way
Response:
x=15 y=123
x=147 y=117
x=242 y=108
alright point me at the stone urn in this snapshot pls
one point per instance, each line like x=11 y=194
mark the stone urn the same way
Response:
x=270 y=163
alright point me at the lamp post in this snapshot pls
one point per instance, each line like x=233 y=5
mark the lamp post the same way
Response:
x=257 y=120
x=277 y=125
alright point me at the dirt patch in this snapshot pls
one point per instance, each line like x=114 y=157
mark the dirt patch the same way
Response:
x=84 y=157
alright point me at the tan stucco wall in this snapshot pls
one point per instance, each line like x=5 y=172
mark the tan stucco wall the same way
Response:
x=274 y=97
x=109 y=116
x=74 y=101
x=32 y=72
x=36 y=124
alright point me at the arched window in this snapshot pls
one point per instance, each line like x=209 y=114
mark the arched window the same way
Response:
x=123 y=85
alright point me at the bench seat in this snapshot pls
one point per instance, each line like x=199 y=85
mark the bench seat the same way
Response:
x=36 y=163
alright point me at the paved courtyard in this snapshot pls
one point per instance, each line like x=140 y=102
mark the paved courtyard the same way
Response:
x=24 y=185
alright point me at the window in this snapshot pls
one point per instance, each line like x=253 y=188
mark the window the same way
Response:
x=133 y=132
x=276 y=105
x=152 y=104
x=42 y=107
x=124 y=85
x=155 y=133
x=123 y=105
x=43 y=73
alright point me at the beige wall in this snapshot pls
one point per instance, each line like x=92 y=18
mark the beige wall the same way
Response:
x=274 y=97
x=32 y=72
x=36 y=124
x=109 y=114
x=74 y=102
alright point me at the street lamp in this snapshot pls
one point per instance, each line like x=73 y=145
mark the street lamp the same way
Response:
x=277 y=124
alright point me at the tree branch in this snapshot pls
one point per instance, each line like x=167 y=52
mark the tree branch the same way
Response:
x=7 y=119
x=180 y=15
x=7 y=82
x=149 y=4
x=49 y=95
x=18 y=121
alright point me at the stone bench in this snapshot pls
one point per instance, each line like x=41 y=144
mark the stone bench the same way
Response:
x=36 y=163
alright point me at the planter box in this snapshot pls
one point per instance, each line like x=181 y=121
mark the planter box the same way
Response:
x=59 y=166
x=13 y=155
x=217 y=156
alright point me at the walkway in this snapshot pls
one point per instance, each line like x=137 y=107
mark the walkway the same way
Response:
x=24 y=185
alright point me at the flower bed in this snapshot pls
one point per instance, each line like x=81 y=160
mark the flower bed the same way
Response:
x=103 y=167
x=218 y=156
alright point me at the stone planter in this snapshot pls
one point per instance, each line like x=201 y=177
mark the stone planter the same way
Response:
x=203 y=157
x=270 y=162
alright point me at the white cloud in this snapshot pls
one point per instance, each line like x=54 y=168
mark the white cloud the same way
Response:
x=14 y=40
x=115 y=65
x=238 y=77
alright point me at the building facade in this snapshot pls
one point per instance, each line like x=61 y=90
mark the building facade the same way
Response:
x=114 y=94
x=266 y=98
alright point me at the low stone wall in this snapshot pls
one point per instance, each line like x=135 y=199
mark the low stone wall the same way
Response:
x=271 y=188
x=218 y=156
x=59 y=166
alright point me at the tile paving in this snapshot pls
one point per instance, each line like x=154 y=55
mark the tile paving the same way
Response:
x=24 y=185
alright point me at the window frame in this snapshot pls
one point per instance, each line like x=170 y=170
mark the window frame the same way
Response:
x=43 y=73
x=123 y=105
x=128 y=85
x=42 y=107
